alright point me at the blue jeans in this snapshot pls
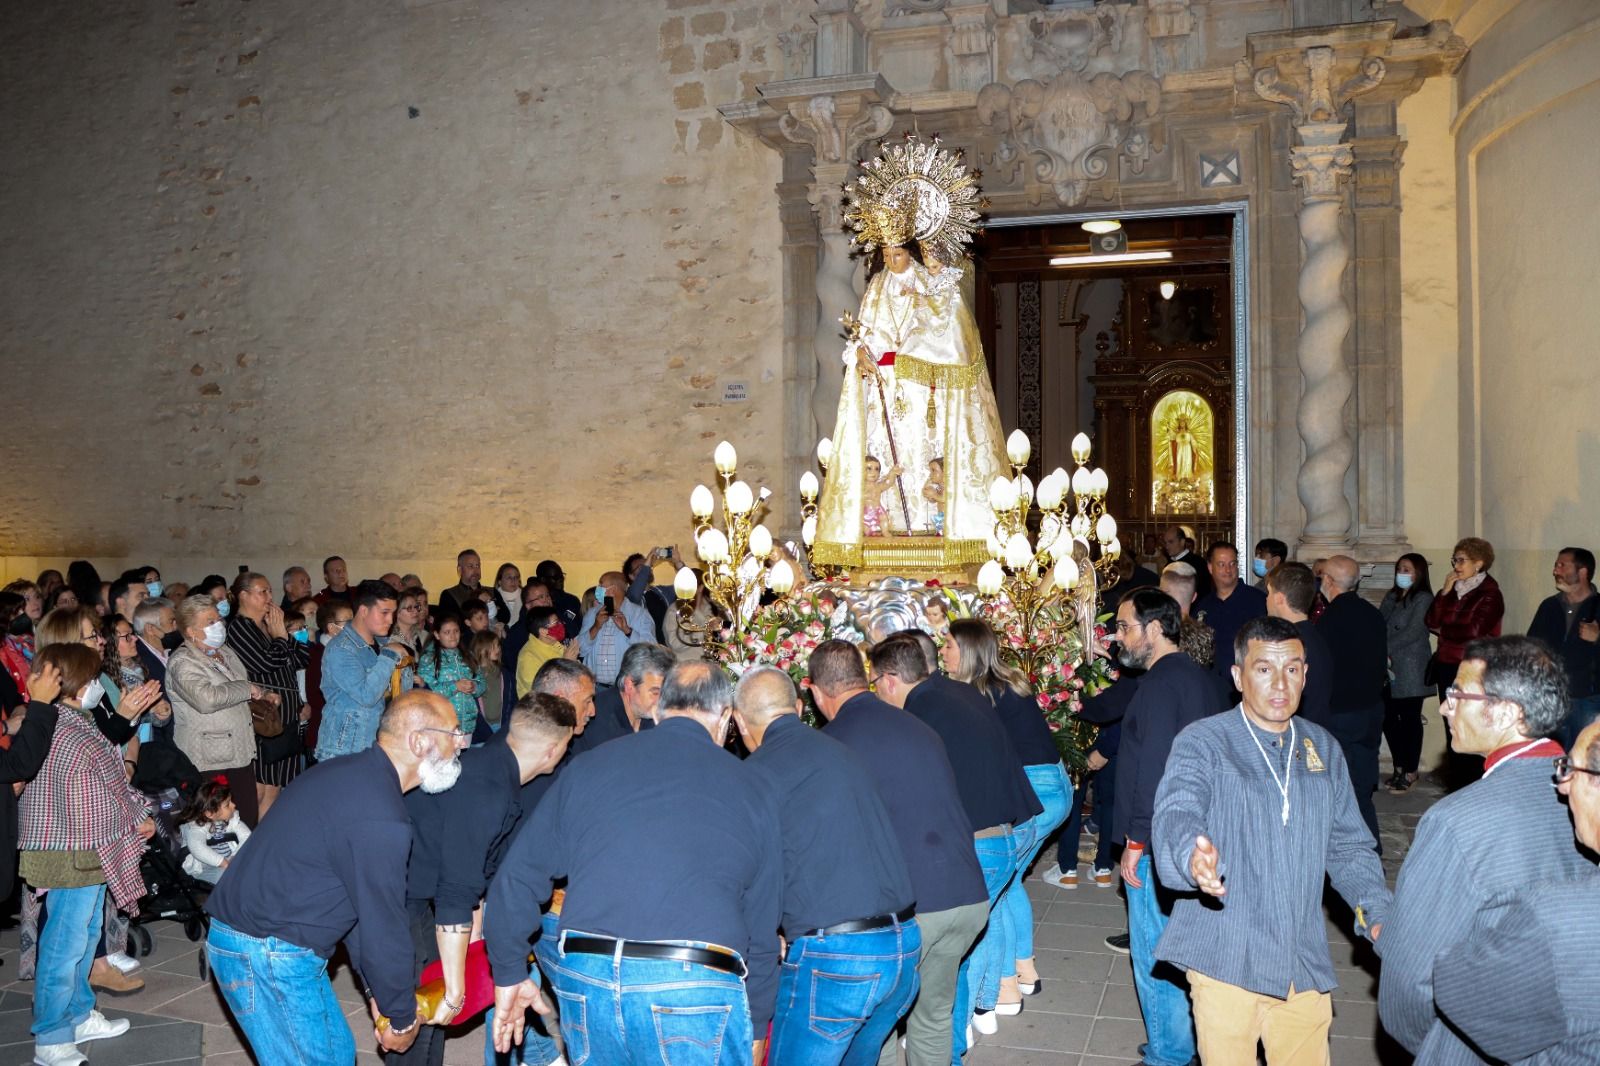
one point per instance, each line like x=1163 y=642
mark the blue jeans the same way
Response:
x=1164 y=1002
x=645 y=1012
x=1014 y=912
x=997 y=857
x=840 y=996
x=280 y=995
x=62 y=998
x=538 y=1048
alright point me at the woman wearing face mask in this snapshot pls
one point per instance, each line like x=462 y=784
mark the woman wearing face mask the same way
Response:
x=1405 y=614
x=216 y=588
x=259 y=635
x=126 y=670
x=332 y=617
x=211 y=692
x=82 y=829
x=547 y=639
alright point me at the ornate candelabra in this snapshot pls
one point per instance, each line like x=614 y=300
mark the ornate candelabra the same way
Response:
x=739 y=560
x=1040 y=576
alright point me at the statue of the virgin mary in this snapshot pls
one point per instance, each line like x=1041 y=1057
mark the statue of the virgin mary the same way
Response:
x=917 y=440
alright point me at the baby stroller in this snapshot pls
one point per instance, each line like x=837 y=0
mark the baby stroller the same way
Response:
x=168 y=779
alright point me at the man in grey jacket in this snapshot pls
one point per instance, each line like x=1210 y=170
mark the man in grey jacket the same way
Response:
x=1524 y=985
x=1254 y=810
x=1509 y=697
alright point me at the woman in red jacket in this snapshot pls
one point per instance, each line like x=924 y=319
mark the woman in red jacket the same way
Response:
x=1469 y=606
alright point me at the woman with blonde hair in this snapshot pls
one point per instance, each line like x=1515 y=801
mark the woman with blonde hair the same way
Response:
x=1003 y=968
x=211 y=692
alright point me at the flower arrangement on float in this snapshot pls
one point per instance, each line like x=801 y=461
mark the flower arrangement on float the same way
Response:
x=1039 y=595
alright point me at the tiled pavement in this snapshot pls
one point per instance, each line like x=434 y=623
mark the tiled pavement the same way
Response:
x=1085 y=1015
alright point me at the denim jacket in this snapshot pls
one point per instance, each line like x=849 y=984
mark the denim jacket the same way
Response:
x=355 y=680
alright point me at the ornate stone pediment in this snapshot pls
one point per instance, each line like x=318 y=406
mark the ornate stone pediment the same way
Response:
x=1072 y=127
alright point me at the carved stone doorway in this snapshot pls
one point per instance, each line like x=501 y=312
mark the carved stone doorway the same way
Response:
x=1101 y=349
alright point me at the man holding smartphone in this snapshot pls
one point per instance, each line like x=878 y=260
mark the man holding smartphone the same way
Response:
x=611 y=627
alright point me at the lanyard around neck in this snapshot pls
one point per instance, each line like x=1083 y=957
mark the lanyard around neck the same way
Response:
x=1288 y=769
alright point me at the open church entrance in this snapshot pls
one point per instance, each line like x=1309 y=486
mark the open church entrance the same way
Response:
x=1138 y=354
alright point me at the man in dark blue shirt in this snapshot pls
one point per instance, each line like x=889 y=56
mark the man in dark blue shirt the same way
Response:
x=1230 y=604
x=572 y=681
x=664 y=962
x=907 y=761
x=330 y=865
x=630 y=705
x=457 y=840
x=1174 y=691
x=994 y=787
x=850 y=970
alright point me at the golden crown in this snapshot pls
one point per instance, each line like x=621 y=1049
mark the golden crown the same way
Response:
x=915 y=191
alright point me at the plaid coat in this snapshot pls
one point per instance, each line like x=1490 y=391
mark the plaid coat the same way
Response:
x=80 y=801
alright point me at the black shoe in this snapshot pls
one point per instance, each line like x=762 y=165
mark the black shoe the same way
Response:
x=1119 y=942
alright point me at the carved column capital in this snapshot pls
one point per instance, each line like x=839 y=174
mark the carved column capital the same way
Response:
x=1320 y=168
x=1319 y=83
x=834 y=124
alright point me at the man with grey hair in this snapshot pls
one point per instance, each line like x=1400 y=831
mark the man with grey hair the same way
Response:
x=692 y=963
x=572 y=681
x=1492 y=838
x=1358 y=644
x=630 y=704
x=296 y=586
x=1542 y=1005
x=850 y=971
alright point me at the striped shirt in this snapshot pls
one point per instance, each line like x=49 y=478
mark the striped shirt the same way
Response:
x=1267 y=933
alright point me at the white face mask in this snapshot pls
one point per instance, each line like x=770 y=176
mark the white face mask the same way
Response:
x=216 y=634
x=438 y=774
x=91 y=695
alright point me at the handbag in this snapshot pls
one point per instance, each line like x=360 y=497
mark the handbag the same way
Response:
x=1430 y=673
x=266 y=718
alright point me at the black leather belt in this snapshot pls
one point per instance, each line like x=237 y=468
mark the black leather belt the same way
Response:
x=727 y=962
x=864 y=925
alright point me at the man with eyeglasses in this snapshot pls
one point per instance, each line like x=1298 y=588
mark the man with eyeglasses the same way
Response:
x=330 y=866
x=1524 y=984
x=1494 y=837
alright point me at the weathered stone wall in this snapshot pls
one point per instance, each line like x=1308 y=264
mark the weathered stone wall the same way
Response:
x=382 y=278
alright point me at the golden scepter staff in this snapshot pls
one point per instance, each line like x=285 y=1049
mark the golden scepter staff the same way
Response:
x=852 y=332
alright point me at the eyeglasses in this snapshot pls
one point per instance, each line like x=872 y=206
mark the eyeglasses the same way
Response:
x=1457 y=560
x=1565 y=768
x=1455 y=695
x=457 y=734
x=125 y=636
x=94 y=638
x=1123 y=627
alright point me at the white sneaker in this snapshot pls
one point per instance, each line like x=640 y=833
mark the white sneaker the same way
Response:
x=58 y=1055
x=98 y=1027
x=986 y=1023
x=1061 y=878
x=125 y=963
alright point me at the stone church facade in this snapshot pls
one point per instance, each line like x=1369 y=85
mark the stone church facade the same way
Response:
x=384 y=278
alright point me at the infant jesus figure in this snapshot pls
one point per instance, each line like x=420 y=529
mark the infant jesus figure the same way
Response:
x=933 y=492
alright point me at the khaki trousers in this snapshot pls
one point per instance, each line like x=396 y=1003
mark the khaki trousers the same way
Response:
x=1229 y=1021
x=946 y=936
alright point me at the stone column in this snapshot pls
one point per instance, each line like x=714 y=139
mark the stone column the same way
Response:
x=1321 y=160
x=835 y=116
